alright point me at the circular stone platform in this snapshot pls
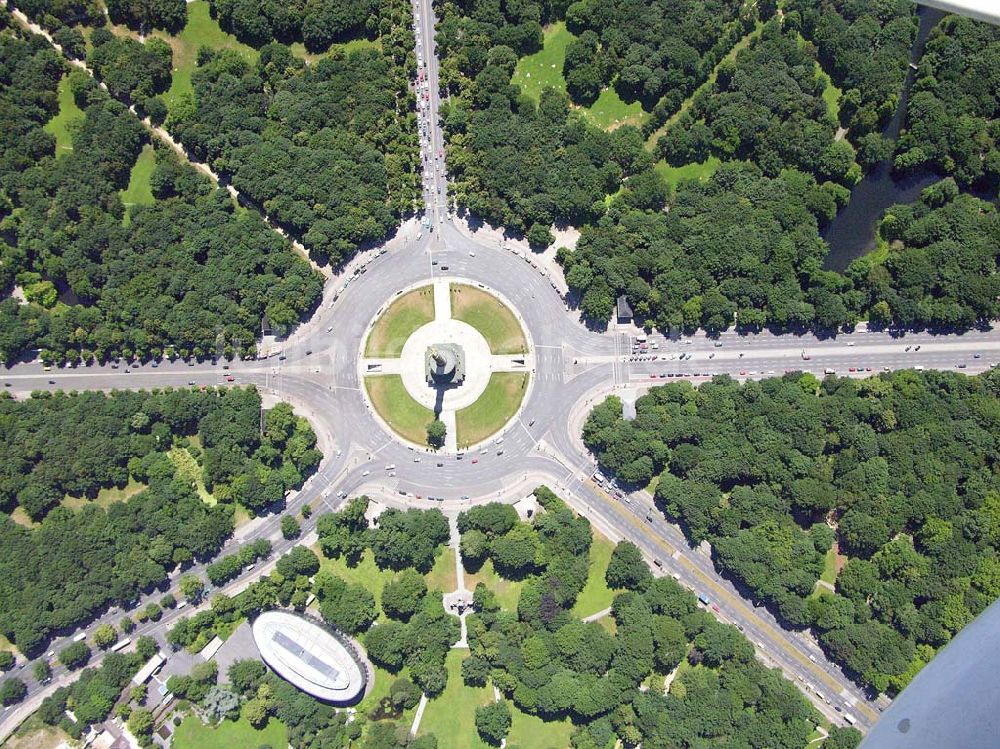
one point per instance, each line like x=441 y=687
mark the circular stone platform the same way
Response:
x=477 y=363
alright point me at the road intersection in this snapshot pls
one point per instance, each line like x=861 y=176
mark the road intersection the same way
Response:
x=316 y=369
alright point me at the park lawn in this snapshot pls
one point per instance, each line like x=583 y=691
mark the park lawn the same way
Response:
x=596 y=595
x=61 y=126
x=407 y=313
x=498 y=403
x=544 y=68
x=489 y=316
x=609 y=624
x=609 y=111
x=507 y=592
x=701 y=171
x=830 y=566
x=451 y=715
x=383 y=681
x=398 y=408
x=139 y=190
x=531 y=732
x=201 y=30
x=193 y=734
x=365 y=573
x=442 y=575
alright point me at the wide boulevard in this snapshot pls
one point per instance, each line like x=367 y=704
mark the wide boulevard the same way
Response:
x=316 y=369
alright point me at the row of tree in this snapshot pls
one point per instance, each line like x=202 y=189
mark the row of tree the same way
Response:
x=315 y=23
x=73 y=564
x=898 y=469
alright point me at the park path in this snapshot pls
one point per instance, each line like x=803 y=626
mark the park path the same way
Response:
x=168 y=139
x=418 y=716
x=442 y=300
x=599 y=615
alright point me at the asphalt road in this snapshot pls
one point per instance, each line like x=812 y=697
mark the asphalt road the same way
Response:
x=575 y=366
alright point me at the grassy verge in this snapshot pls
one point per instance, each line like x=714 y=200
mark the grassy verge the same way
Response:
x=498 y=403
x=489 y=316
x=139 y=190
x=596 y=595
x=35 y=734
x=193 y=734
x=398 y=408
x=610 y=111
x=507 y=591
x=61 y=126
x=442 y=575
x=831 y=94
x=830 y=566
x=451 y=715
x=397 y=323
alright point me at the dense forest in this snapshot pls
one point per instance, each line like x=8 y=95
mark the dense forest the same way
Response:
x=316 y=23
x=71 y=564
x=551 y=664
x=698 y=266
x=189 y=273
x=328 y=150
x=953 y=118
x=766 y=106
x=897 y=473
x=648 y=50
x=865 y=48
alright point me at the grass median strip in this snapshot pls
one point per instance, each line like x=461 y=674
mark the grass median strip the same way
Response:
x=489 y=316
x=398 y=408
x=407 y=313
x=498 y=403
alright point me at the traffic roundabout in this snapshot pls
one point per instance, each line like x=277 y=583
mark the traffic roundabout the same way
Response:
x=451 y=351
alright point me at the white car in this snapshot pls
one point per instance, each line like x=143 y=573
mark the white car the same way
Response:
x=365 y=473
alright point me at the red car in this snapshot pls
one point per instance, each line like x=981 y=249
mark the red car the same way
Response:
x=715 y=607
x=230 y=378
x=852 y=369
x=475 y=460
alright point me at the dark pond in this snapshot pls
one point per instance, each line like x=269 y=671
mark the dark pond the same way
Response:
x=852 y=233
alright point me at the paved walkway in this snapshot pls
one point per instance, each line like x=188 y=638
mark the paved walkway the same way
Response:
x=599 y=615
x=418 y=716
x=442 y=299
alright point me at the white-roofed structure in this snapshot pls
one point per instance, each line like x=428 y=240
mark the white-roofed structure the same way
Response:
x=309 y=656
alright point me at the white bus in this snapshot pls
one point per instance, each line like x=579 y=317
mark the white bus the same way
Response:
x=79 y=637
x=121 y=644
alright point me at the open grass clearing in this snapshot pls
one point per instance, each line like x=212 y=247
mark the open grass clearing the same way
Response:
x=106 y=496
x=830 y=566
x=596 y=595
x=407 y=313
x=398 y=408
x=451 y=715
x=365 y=572
x=352 y=45
x=507 y=592
x=189 y=469
x=610 y=111
x=34 y=734
x=544 y=69
x=489 y=316
x=229 y=734
x=494 y=408
x=674 y=175
x=831 y=94
x=531 y=732
x=442 y=576
x=140 y=190
x=201 y=30
x=61 y=126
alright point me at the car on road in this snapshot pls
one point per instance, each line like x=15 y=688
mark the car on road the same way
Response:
x=962 y=365
x=475 y=460
x=440 y=465
x=365 y=473
x=230 y=378
x=190 y=382
x=715 y=607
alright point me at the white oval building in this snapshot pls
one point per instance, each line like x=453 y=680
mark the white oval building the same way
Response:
x=309 y=656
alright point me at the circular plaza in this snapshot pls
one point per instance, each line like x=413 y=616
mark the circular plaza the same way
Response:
x=447 y=351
